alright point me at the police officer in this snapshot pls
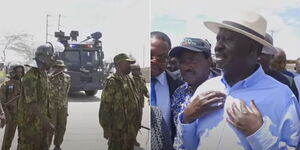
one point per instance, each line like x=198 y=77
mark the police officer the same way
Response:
x=33 y=111
x=119 y=107
x=142 y=90
x=2 y=117
x=9 y=94
x=59 y=88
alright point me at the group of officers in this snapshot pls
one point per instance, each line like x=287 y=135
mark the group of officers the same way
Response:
x=35 y=102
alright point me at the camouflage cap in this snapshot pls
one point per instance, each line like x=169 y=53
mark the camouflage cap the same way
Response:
x=59 y=63
x=123 y=57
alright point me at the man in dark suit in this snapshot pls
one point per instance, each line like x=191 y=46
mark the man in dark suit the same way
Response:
x=163 y=82
x=265 y=59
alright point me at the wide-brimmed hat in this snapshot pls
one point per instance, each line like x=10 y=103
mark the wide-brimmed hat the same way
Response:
x=123 y=57
x=268 y=50
x=249 y=24
x=191 y=44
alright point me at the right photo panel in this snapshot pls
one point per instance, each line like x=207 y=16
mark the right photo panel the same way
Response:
x=225 y=75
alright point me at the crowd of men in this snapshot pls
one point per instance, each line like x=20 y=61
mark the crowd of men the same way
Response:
x=243 y=98
x=35 y=102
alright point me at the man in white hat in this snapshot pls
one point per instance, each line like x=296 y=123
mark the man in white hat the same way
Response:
x=257 y=112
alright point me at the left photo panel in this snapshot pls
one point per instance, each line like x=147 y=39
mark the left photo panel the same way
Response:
x=75 y=75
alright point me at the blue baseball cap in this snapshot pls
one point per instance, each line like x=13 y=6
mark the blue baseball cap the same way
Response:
x=192 y=44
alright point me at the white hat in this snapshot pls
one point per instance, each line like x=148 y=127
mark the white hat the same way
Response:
x=249 y=24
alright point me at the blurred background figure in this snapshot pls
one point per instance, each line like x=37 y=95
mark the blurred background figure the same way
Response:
x=173 y=66
x=9 y=94
x=60 y=83
x=142 y=92
x=2 y=117
x=297 y=65
x=265 y=60
x=278 y=63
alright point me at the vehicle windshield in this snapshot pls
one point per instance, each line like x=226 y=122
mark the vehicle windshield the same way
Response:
x=72 y=59
x=89 y=58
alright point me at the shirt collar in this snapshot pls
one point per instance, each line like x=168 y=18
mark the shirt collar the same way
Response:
x=249 y=81
x=162 y=78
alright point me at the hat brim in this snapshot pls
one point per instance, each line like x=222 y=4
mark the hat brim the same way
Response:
x=59 y=65
x=175 y=51
x=131 y=61
x=215 y=27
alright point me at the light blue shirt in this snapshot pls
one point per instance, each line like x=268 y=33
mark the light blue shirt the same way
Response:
x=163 y=97
x=275 y=101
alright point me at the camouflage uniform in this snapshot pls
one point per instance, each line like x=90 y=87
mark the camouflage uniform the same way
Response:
x=141 y=88
x=58 y=103
x=35 y=90
x=142 y=91
x=119 y=112
x=9 y=93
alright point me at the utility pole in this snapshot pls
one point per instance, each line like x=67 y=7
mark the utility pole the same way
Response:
x=47 y=25
x=143 y=56
x=59 y=22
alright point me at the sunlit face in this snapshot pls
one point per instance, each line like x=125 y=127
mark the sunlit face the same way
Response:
x=159 y=56
x=232 y=51
x=194 y=67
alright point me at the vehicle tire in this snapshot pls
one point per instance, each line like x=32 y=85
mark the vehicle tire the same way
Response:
x=90 y=93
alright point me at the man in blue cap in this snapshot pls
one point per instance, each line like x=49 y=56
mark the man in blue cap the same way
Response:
x=195 y=60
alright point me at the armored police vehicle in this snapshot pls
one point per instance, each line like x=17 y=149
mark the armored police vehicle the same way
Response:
x=84 y=61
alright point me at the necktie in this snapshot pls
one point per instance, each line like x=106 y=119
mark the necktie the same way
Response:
x=153 y=93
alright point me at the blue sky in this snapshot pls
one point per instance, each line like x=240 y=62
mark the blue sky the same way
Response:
x=181 y=19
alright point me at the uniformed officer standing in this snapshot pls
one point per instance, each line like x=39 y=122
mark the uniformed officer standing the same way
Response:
x=9 y=94
x=119 y=107
x=142 y=90
x=33 y=106
x=2 y=117
x=59 y=87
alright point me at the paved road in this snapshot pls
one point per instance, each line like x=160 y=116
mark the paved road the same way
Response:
x=83 y=129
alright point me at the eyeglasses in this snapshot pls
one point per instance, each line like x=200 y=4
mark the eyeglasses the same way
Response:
x=160 y=58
